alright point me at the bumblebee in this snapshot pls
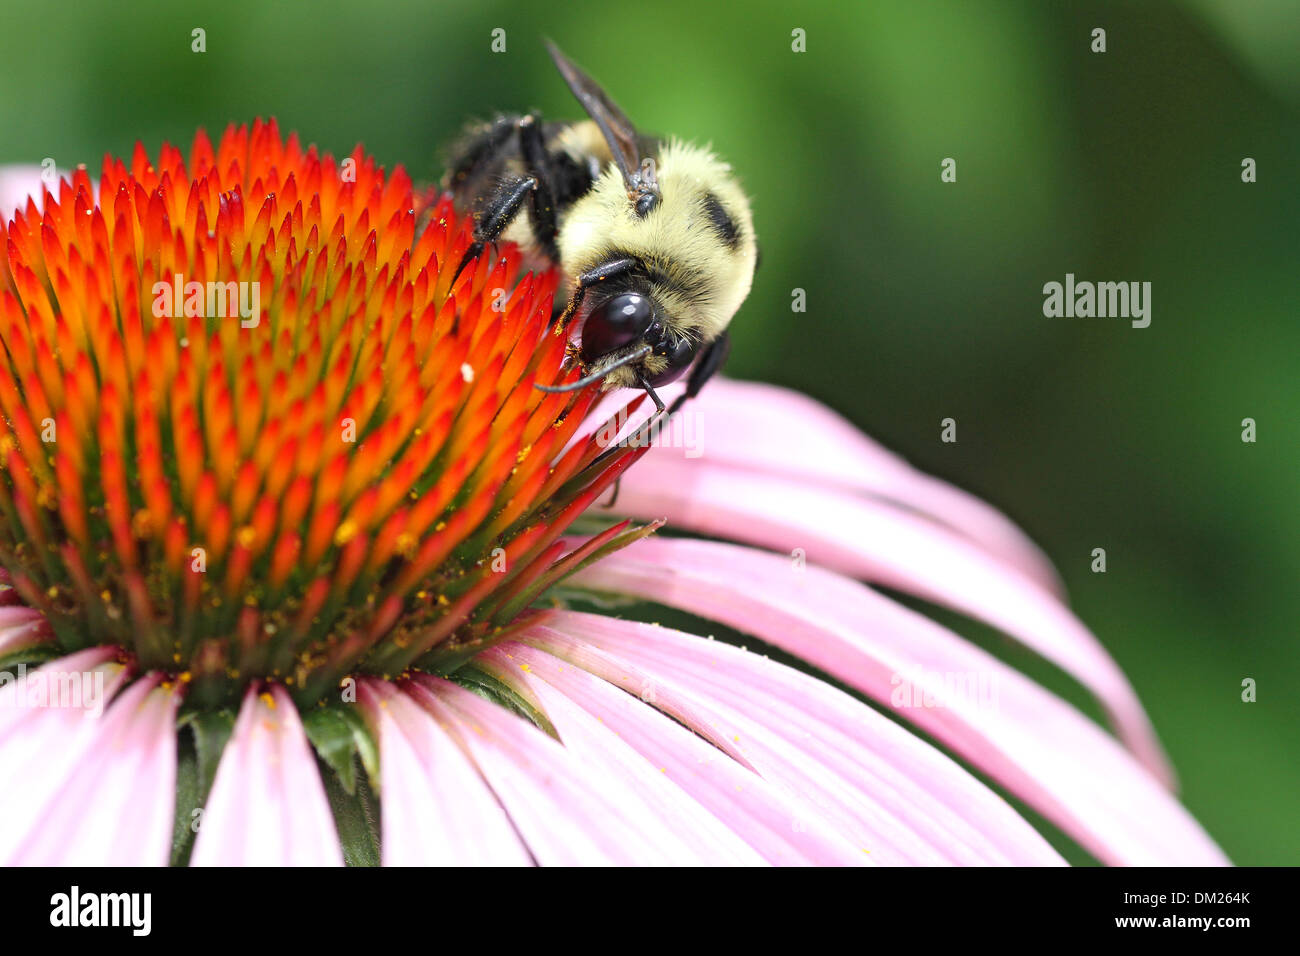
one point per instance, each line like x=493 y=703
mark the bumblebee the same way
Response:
x=654 y=237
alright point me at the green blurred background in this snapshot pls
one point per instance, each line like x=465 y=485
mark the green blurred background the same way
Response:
x=924 y=298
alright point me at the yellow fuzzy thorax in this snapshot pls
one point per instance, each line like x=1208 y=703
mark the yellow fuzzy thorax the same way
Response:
x=676 y=238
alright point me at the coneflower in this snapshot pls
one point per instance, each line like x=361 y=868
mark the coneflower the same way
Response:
x=283 y=510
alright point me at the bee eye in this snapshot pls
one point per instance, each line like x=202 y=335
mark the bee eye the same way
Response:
x=615 y=323
x=680 y=354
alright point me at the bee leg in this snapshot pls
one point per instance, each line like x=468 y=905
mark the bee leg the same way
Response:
x=537 y=164
x=613 y=499
x=710 y=361
x=606 y=270
x=654 y=396
x=503 y=206
x=499 y=211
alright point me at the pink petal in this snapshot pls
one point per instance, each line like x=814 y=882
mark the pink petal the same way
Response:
x=14 y=693
x=116 y=806
x=877 y=541
x=17 y=183
x=267 y=806
x=22 y=627
x=1035 y=744
x=734 y=423
x=885 y=790
x=437 y=811
x=87 y=778
x=44 y=741
x=567 y=812
x=723 y=806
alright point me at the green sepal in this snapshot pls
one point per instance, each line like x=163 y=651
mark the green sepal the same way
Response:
x=187 y=801
x=338 y=733
x=198 y=756
x=570 y=595
x=479 y=681
x=356 y=816
x=31 y=655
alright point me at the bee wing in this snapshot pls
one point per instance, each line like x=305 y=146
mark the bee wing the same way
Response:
x=617 y=129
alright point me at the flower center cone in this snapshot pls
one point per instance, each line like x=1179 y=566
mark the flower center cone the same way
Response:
x=253 y=430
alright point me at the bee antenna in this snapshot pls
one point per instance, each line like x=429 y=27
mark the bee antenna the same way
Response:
x=597 y=376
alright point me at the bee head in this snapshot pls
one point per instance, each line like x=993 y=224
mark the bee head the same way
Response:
x=628 y=321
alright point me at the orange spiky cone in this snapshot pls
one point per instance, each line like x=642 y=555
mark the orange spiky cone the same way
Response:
x=356 y=478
